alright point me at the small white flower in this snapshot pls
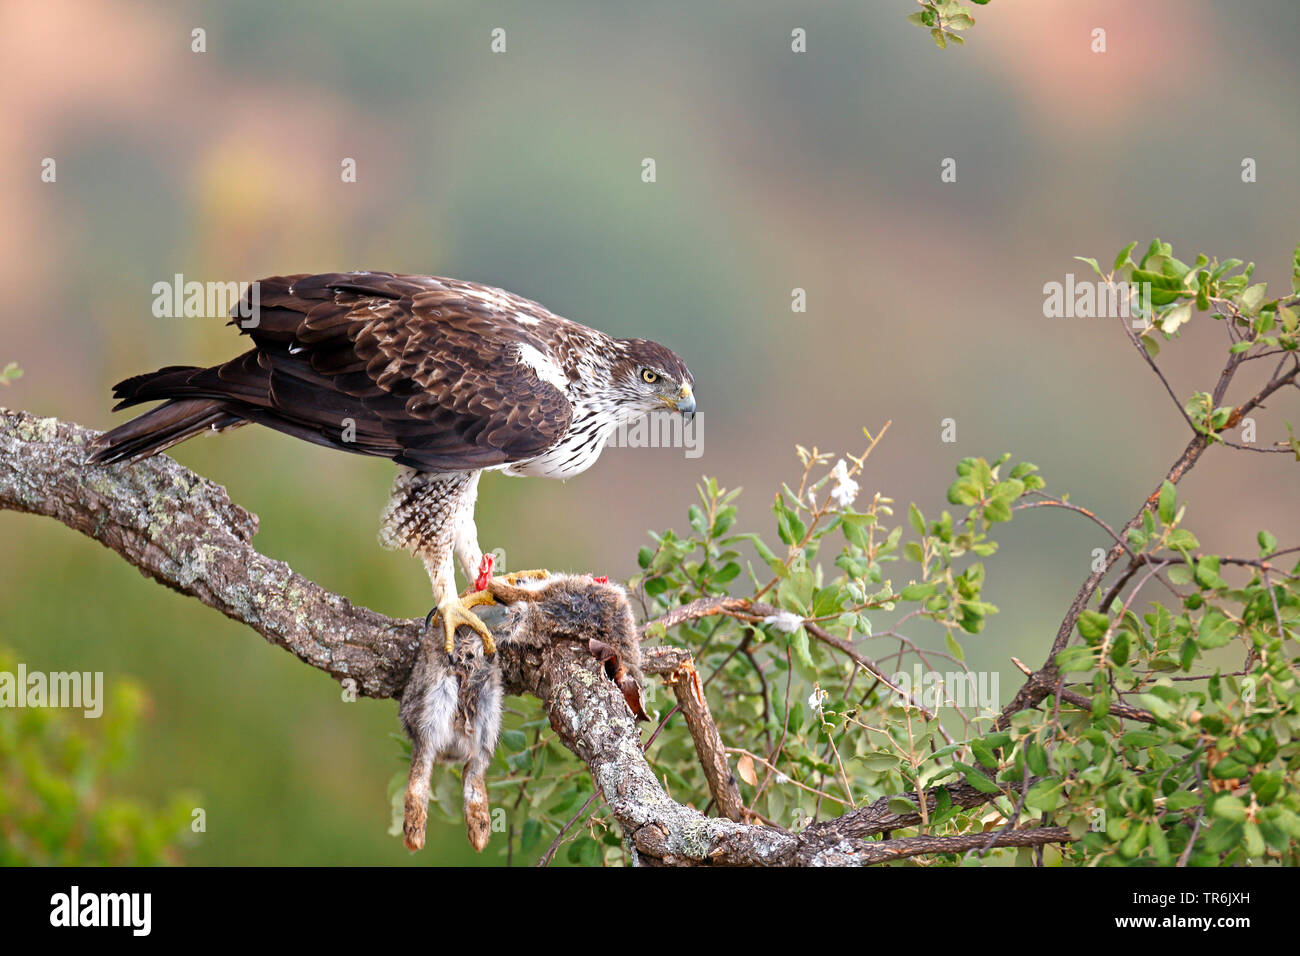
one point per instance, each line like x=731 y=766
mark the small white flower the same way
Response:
x=815 y=699
x=786 y=621
x=846 y=489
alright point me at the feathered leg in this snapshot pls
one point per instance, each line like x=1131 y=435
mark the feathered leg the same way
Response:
x=425 y=515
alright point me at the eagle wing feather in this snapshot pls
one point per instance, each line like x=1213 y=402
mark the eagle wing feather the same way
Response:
x=426 y=370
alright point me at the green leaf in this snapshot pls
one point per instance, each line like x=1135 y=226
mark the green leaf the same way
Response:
x=1092 y=262
x=963 y=492
x=1132 y=844
x=1092 y=625
x=881 y=761
x=983 y=754
x=1254 y=840
x=1267 y=784
x=799 y=643
x=1230 y=808
x=918 y=591
x=723 y=520
x=1159 y=845
x=532 y=832
x=1168 y=499
x=1267 y=544
x=997 y=510
x=1253 y=298
x=1165 y=290
x=1011 y=489
x=1182 y=800
x=1076 y=659
x=696 y=516
x=1175 y=317
x=1123 y=259
x=726 y=573
x=1229 y=768
x=1216 y=630
x=978 y=780
x=1207 y=572
x=916 y=518
x=1044 y=795
x=1120 y=648
x=1036 y=755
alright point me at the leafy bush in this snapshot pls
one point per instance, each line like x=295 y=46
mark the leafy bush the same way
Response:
x=58 y=773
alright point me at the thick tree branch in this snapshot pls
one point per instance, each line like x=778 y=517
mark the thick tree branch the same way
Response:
x=183 y=531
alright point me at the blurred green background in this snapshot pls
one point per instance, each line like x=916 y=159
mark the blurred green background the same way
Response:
x=775 y=170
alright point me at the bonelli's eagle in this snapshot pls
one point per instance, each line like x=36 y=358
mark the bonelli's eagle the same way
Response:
x=447 y=378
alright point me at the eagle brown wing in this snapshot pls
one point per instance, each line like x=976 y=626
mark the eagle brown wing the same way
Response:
x=422 y=370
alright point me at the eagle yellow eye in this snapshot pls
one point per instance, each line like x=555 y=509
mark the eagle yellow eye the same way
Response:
x=648 y=376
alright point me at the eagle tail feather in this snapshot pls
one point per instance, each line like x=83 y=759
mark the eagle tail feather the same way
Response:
x=160 y=428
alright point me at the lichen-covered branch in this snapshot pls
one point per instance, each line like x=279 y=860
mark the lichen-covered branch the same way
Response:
x=183 y=531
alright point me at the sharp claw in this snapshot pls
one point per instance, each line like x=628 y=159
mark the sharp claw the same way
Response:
x=483 y=631
x=456 y=612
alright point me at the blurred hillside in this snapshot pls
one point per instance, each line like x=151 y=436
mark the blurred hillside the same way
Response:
x=774 y=171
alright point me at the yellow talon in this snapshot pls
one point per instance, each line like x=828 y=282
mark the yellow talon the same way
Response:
x=456 y=612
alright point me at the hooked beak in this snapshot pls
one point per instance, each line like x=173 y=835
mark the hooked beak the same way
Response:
x=684 y=402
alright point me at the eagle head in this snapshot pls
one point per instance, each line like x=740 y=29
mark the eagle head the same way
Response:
x=649 y=376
